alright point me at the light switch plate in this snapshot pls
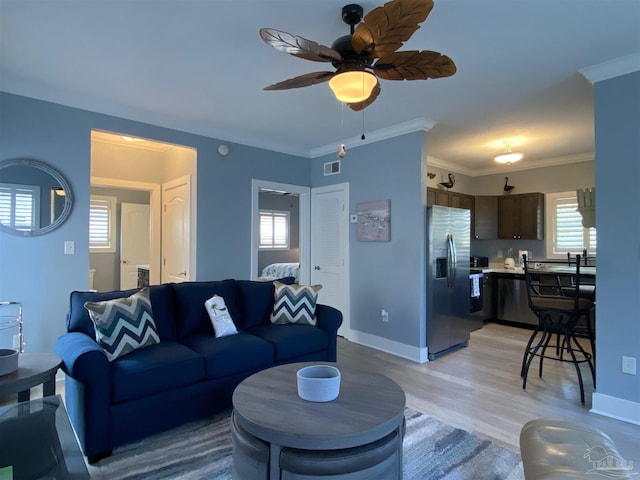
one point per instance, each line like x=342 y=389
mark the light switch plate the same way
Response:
x=629 y=365
x=69 y=247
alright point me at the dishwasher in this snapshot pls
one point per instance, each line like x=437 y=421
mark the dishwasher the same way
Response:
x=512 y=304
x=485 y=305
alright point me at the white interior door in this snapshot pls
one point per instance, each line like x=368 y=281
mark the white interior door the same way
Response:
x=176 y=226
x=134 y=242
x=330 y=247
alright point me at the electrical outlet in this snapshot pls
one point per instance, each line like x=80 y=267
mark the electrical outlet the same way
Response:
x=629 y=365
x=499 y=253
x=16 y=341
x=384 y=315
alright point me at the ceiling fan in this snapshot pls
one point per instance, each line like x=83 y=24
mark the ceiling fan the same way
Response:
x=366 y=54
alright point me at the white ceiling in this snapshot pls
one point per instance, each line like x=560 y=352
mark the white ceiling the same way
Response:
x=200 y=66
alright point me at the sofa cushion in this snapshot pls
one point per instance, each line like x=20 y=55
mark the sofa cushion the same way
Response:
x=255 y=301
x=155 y=369
x=232 y=354
x=191 y=314
x=161 y=296
x=295 y=303
x=291 y=340
x=124 y=324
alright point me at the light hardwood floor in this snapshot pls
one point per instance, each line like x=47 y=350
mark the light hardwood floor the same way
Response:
x=479 y=389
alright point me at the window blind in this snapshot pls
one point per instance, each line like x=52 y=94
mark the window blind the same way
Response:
x=19 y=206
x=274 y=230
x=569 y=234
x=101 y=223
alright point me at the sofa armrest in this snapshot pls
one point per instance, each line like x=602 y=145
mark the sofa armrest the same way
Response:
x=329 y=319
x=87 y=391
x=82 y=358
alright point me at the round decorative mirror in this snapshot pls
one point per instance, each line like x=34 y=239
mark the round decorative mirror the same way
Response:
x=34 y=198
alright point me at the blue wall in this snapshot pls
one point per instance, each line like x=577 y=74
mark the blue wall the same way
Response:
x=391 y=274
x=617 y=121
x=36 y=272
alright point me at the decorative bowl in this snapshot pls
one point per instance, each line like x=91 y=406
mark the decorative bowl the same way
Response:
x=318 y=383
x=8 y=361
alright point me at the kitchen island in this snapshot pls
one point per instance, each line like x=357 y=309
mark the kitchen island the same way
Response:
x=510 y=293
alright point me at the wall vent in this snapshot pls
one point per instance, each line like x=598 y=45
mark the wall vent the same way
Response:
x=332 y=168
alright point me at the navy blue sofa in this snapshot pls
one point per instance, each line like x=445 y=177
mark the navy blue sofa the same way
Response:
x=190 y=374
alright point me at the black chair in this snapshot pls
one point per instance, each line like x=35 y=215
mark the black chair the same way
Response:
x=551 y=292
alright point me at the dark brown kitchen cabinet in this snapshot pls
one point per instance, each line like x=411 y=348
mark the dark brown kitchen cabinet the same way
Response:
x=521 y=216
x=486 y=218
x=447 y=198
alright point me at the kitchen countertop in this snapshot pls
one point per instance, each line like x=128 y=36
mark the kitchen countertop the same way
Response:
x=559 y=269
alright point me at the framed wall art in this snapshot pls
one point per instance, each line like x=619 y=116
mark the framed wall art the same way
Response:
x=374 y=221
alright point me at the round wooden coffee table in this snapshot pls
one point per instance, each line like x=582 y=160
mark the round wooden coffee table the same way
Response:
x=369 y=407
x=33 y=369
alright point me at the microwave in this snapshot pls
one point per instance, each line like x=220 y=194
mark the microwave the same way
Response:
x=476 y=262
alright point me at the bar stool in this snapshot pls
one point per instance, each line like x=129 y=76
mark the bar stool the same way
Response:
x=551 y=293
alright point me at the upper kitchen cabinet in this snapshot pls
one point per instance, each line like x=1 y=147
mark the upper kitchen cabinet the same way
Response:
x=447 y=198
x=486 y=218
x=521 y=216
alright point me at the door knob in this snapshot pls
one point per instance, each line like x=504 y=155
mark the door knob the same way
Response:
x=317 y=267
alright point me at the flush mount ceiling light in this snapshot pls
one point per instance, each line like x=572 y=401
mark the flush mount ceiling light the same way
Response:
x=508 y=157
x=352 y=87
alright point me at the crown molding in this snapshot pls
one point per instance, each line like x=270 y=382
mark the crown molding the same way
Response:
x=445 y=165
x=613 y=68
x=418 y=124
x=517 y=167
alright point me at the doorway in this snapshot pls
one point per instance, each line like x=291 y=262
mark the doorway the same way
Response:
x=302 y=195
x=155 y=221
x=136 y=164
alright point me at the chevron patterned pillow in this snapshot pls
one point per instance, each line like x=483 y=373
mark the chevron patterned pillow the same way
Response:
x=124 y=324
x=295 y=303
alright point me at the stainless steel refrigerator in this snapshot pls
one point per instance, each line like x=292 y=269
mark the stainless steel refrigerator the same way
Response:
x=448 y=287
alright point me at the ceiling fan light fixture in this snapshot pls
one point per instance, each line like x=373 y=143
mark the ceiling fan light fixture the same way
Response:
x=353 y=86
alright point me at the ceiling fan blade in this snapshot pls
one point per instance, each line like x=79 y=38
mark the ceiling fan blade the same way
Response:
x=414 y=65
x=385 y=29
x=302 y=81
x=356 y=107
x=298 y=46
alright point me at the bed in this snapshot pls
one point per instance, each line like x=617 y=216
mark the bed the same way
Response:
x=279 y=270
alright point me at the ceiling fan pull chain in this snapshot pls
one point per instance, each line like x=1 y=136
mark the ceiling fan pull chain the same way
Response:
x=362 y=137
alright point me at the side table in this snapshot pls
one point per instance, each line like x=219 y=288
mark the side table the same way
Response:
x=33 y=369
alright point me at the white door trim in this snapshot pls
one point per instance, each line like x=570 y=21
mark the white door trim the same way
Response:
x=155 y=234
x=345 y=328
x=305 y=225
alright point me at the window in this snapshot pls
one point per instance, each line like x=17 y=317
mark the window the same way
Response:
x=20 y=206
x=274 y=230
x=565 y=233
x=102 y=224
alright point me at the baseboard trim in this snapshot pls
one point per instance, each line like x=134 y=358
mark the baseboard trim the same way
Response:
x=409 y=352
x=617 y=408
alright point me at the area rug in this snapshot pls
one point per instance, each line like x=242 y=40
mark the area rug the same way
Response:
x=202 y=450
